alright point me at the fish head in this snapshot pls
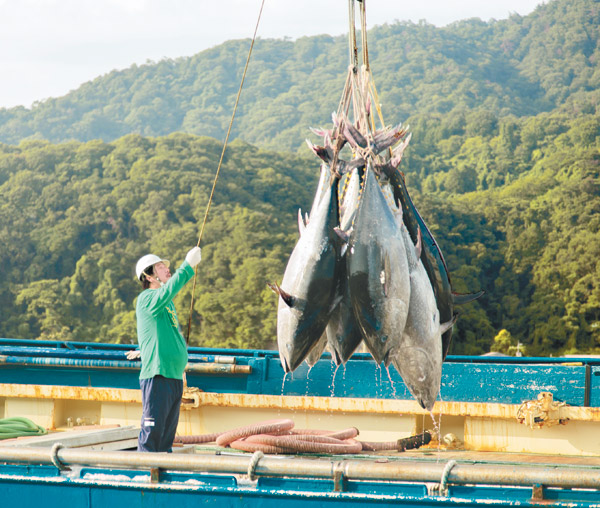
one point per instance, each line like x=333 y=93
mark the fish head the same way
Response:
x=421 y=372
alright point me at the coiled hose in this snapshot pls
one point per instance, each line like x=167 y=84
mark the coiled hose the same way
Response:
x=279 y=436
x=18 y=426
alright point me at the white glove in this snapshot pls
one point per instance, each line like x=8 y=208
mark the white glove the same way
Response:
x=134 y=354
x=194 y=256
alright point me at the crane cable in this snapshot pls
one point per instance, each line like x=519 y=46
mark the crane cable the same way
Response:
x=187 y=339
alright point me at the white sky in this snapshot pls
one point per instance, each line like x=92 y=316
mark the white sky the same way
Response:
x=49 y=47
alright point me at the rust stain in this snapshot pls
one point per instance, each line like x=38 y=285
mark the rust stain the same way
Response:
x=295 y=403
x=70 y=393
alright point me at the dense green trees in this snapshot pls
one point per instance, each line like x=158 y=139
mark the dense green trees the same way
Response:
x=503 y=165
x=519 y=66
x=76 y=216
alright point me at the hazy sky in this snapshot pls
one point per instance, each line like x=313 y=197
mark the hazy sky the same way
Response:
x=49 y=47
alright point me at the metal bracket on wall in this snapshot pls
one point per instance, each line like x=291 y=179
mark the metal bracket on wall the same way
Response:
x=543 y=412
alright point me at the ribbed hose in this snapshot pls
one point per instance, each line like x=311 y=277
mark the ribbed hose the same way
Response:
x=204 y=438
x=340 y=434
x=304 y=444
x=280 y=437
x=18 y=426
x=260 y=428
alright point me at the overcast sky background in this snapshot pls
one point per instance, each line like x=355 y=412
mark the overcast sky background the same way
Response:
x=49 y=47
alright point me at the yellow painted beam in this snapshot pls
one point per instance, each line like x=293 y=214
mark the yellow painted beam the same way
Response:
x=298 y=403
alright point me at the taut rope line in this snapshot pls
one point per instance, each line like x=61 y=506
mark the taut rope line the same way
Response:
x=237 y=100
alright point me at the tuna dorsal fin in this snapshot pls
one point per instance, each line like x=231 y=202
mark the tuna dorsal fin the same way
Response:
x=444 y=327
x=461 y=299
x=301 y=223
x=286 y=297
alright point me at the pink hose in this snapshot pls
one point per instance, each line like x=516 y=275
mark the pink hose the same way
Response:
x=310 y=444
x=259 y=428
x=279 y=436
x=203 y=438
x=245 y=446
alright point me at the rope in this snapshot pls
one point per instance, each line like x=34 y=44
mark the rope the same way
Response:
x=444 y=479
x=256 y=456
x=363 y=28
x=18 y=426
x=237 y=100
x=54 y=457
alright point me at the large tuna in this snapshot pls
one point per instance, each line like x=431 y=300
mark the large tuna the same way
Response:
x=378 y=273
x=419 y=359
x=431 y=256
x=343 y=332
x=307 y=292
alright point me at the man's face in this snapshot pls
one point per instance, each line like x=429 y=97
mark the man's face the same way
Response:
x=162 y=272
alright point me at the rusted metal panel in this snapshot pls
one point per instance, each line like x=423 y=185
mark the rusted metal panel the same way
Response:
x=298 y=403
x=10 y=390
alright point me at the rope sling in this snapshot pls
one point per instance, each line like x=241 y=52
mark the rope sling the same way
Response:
x=358 y=86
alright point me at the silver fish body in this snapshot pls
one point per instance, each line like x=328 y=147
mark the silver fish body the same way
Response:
x=307 y=291
x=378 y=273
x=343 y=332
x=419 y=359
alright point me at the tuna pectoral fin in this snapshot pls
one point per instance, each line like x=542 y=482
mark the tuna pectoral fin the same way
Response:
x=344 y=235
x=419 y=246
x=286 y=297
x=344 y=238
x=460 y=299
x=385 y=274
x=444 y=327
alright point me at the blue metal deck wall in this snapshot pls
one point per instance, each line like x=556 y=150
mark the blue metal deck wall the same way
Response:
x=465 y=379
x=34 y=486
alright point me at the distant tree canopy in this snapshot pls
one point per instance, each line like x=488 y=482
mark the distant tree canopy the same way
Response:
x=468 y=71
x=76 y=216
x=504 y=165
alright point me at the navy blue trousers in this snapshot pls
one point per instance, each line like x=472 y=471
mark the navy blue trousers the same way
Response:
x=161 y=400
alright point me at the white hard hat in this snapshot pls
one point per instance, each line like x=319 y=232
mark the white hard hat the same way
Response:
x=146 y=261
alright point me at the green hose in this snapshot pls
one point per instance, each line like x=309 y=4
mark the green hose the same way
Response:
x=19 y=426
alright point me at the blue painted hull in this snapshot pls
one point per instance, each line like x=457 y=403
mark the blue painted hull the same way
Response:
x=35 y=486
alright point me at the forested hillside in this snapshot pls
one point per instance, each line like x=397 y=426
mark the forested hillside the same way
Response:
x=76 y=216
x=521 y=66
x=504 y=165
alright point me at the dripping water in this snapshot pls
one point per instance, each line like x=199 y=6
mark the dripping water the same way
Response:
x=333 y=380
x=394 y=394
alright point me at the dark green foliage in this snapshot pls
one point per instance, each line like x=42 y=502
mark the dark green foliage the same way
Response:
x=76 y=217
x=519 y=66
x=504 y=165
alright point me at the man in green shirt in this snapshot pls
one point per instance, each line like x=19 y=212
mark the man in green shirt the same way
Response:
x=163 y=348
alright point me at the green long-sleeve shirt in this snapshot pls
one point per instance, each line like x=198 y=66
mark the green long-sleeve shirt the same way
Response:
x=163 y=348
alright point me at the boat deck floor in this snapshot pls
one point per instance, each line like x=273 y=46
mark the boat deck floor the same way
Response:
x=440 y=455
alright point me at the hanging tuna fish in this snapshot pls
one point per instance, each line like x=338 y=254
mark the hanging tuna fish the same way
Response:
x=307 y=291
x=366 y=267
x=432 y=258
x=378 y=274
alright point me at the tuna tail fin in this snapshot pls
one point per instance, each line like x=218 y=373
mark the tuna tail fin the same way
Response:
x=286 y=297
x=353 y=136
x=444 y=327
x=322 y=152
x=461 y=299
